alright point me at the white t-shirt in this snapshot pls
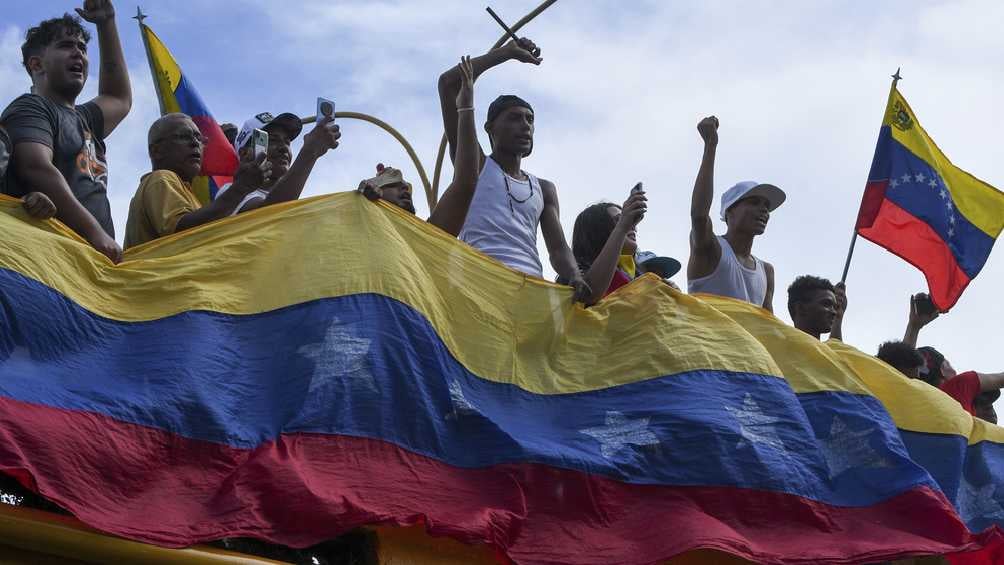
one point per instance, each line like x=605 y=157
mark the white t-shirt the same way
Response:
x=253 y=195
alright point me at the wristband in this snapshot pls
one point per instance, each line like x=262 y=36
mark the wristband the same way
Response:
x=465 y=109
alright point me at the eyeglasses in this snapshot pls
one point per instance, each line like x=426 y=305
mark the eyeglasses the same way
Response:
x=185 y=138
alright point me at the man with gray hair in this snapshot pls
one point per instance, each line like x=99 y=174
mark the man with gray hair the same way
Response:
x=164 y=202
x=725 y=265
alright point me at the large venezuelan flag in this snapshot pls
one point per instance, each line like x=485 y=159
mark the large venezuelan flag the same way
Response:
x=265 y=376
x=177 y=94
x=920 y=206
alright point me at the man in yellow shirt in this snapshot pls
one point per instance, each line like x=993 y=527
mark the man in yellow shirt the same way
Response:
x=164 y=202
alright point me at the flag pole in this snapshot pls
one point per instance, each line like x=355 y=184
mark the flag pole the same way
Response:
x=854 y=238
x=139 y=17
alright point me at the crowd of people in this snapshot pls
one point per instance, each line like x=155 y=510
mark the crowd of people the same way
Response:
x=52 y=157
x=53 y=151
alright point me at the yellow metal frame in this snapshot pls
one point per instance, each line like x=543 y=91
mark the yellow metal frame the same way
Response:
x=431 y=189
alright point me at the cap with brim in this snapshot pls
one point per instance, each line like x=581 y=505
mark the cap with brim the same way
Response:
x=665 y=267
x=747 y=189
x=290 y=123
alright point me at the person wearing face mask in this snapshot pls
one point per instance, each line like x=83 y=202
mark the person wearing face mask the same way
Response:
x=58 y=145
x=725 y=265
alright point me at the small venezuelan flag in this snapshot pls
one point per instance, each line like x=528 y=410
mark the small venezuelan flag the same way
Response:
x=177 y=94
x=920 y=206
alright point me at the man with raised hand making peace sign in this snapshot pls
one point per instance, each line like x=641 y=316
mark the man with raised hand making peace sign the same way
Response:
x=451 y=211
x=725 y=265
x=59 y=146
x=509 y=203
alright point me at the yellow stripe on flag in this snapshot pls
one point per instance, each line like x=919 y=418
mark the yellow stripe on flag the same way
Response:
x=167 y=73
x=980 y=203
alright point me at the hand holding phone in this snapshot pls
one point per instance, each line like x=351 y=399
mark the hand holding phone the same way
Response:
x=637 y=188
x=259 y=141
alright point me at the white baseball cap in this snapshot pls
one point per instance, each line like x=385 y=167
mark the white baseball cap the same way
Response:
x=747 y=188
x=265 y=121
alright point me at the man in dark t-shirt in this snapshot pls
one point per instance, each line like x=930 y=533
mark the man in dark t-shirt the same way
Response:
x=59 y=145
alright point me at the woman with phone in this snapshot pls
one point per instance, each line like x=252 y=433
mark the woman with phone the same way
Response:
x=604 y=242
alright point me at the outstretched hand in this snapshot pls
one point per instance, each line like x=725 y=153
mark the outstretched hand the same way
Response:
x=525 y=51
x=323 y=137
x=369 y=189
x=633 y=210
x=708 y=128
x=465 y=97
x=97 y=11
x=840 y=292
x=920 y=319
x=252 y=174
x=581 y=288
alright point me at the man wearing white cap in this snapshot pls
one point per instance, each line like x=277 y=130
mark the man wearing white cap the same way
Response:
x=288 y=176
x=725 y=265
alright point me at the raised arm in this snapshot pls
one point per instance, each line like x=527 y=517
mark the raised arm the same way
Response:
x=837 y=330
x=562 y=260
x=704 y=248
x=451 y=211
x=322 y=138
x=114 y=91
x=33 y=166
x=991 y=381
x=917 y=320
x=450 y=84
x=601 y=272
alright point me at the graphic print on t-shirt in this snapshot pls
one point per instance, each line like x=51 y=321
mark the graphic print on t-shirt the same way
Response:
x=89 y=162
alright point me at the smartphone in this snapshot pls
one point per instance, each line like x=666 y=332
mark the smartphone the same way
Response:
x=325 y=108
x=637 y=188
x=259 y=140
x=924 y=304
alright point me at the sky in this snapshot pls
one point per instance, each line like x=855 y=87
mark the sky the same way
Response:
x=799 y=88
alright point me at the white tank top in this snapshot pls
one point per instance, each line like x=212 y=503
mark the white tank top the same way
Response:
x=731 y=278
x=503 y=218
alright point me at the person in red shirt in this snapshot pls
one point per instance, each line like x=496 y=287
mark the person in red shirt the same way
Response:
x=974 y=391
x=963 y=387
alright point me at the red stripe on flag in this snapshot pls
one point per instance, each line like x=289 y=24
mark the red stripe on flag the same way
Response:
x=918 y=244
x=218 y=156
x=156 y=487
x=871 y=202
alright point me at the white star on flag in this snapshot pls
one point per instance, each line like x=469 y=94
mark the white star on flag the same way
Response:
x=943 y=193
x=951 y=219
x=951 y=232
x=905 y=178
x=978 y=502
x=948 y=204
x=620 y=432
x=919 y=177
x=894 y=183
x=339 y=355
x=460 y=403
x=848 y=449
x=755 y=426
x=933 y=183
